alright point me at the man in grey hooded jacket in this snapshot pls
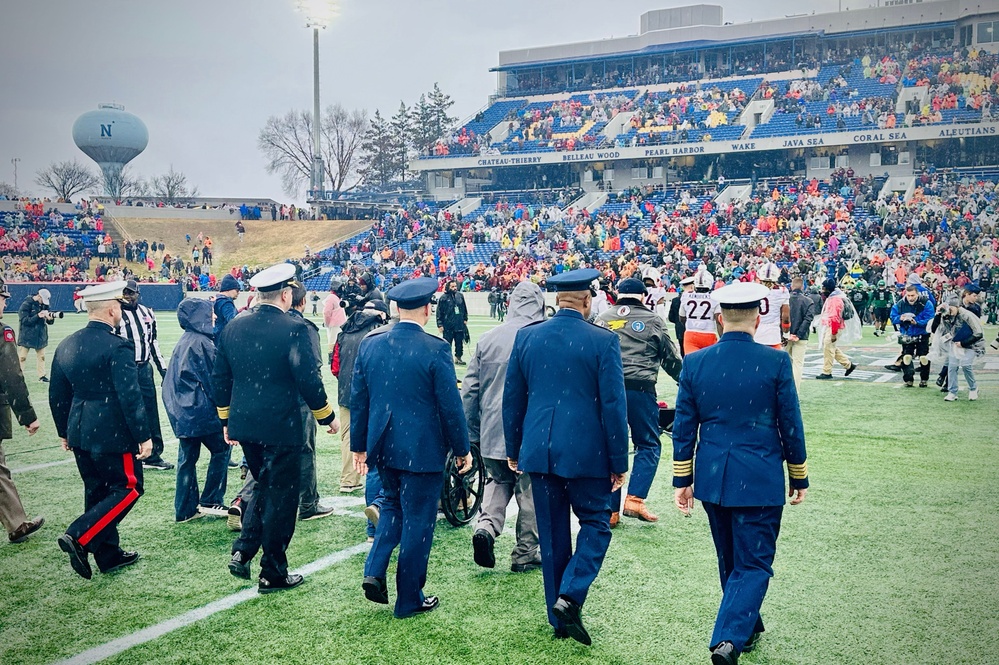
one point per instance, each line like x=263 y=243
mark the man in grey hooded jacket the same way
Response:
x=482 y=397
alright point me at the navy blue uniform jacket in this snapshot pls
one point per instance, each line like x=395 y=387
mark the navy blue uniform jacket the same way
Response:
x=738 y=409
x=94 y=394
x=265 y=366
x=564 y=405
x=405 y=409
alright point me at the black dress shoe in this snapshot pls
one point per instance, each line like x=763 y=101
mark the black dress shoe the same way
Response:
x=124 y=560
x=482 y=549
x=569 y=612
x=525 y=567
x=824 y=377
x=849 y=370
x=375 y=590
x=753 y=641
x=270 y=586
x=78 y=557
x=239 y=566
x=724 y=654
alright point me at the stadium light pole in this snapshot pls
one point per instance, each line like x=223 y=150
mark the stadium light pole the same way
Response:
x=14 y=161
x=318 y=15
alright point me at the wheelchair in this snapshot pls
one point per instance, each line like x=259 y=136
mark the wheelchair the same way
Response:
x=461 y=497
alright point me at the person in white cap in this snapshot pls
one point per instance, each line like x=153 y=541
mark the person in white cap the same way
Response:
x=729 y=448
x=265 y=366
x=95 y=380
x=33 y=333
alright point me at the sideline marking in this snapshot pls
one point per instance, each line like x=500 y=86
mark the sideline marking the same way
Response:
x=71 y=460
x=115 y=647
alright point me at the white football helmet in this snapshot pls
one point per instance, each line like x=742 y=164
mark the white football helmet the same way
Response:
x=768 y=273
x=704 y=280
x=653 y=274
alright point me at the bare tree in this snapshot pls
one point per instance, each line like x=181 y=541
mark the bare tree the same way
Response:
x=172 y=187
x=286 y=142
x=122 y=184
x=67 y=179
x=7 y=189
x=342 y=133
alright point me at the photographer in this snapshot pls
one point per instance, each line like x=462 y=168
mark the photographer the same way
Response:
x=911 y=315
x=452 y=314
x=959 y=337
x=35 y=317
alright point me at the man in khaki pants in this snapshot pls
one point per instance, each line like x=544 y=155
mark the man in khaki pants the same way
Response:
x=13 y=395
x=831 y=323
x=802 y=312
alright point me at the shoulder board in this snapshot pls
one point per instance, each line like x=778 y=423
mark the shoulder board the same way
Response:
x=8 y=334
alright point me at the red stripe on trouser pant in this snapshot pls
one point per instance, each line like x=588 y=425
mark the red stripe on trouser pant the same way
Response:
x=129 y=499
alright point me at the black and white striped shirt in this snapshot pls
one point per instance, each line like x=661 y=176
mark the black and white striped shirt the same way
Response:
x=139 y=327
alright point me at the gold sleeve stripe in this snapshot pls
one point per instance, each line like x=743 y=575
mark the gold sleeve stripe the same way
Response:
x=798 y=471
x=324 y=412
x=223 y=412
x=684 y=468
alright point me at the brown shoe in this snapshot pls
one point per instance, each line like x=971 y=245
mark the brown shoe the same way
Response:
x=21 y=533
x=615 y=518
x=635 y=507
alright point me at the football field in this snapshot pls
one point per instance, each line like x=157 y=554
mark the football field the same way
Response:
x=891 y=559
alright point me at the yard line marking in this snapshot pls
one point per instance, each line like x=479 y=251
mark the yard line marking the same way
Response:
x=115 y=647
x=884 y=378
x=48 y=465
x=37 y=467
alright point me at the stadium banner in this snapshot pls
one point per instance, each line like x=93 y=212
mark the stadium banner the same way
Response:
x=154 y=296
x=667 y=151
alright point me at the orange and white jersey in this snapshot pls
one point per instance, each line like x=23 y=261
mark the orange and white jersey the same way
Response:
x=769 y=331
x=656 y=301
x=700 y=310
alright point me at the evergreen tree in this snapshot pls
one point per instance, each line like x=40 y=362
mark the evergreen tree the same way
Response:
x=424 y=133
x=440 y=104
x=379 y=153
x=402 y=129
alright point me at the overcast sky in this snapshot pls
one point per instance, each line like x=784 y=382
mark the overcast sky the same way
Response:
x=205 y=75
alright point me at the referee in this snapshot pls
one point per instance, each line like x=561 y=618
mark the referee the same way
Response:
x=138 y=325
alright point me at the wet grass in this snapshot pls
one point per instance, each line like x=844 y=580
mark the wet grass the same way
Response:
x=890 y=560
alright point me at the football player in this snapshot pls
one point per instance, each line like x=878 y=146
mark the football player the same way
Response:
x=699 y=313
x=655 y=300
x=775 y=309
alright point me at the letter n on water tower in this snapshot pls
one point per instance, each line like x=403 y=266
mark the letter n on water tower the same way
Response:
x=105 y=131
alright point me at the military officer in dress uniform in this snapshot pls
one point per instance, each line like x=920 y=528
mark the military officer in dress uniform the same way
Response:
x=99 y=414
x=737 y=421
x=265 y=365
x=645 y=347
x=565 y=422
x=405 y=416
x=13 y=395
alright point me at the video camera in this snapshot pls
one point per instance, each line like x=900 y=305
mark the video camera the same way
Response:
x=354 y=302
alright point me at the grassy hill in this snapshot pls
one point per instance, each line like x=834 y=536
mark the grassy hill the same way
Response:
x=264 y=242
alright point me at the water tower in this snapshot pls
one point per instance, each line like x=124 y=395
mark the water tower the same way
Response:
x=112 y=138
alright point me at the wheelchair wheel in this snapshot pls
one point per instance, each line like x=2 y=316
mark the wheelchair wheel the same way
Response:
x=461 y=497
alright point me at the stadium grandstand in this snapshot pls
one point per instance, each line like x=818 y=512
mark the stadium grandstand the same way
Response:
x=812 y=139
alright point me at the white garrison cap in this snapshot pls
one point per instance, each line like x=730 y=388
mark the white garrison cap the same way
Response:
x=740 y=295
x=274 y=278
x=102 y=292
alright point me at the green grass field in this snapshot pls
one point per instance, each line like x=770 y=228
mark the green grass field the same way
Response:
x=892 y=559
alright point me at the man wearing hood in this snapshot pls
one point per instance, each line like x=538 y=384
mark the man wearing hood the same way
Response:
x=482 y=398
x=187 y=396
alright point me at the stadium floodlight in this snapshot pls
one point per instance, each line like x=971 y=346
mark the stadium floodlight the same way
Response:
x=318 y=15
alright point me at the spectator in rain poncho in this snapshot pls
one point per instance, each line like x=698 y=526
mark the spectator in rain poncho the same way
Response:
x=838 y=324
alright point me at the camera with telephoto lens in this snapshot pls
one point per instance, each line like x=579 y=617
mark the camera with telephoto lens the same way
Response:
x=353 y=302
x=52 y=316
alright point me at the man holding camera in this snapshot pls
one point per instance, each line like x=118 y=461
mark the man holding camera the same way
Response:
x=452 y=315
x=911 y=315
x=34 y=317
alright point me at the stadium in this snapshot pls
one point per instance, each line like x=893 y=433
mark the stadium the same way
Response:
x=859 y=146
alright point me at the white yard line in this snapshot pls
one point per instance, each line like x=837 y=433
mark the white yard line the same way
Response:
x=115 y=647
x=71 y=460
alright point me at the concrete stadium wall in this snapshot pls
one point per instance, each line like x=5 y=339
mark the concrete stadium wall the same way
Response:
x=154 y=296
x=143 y=212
